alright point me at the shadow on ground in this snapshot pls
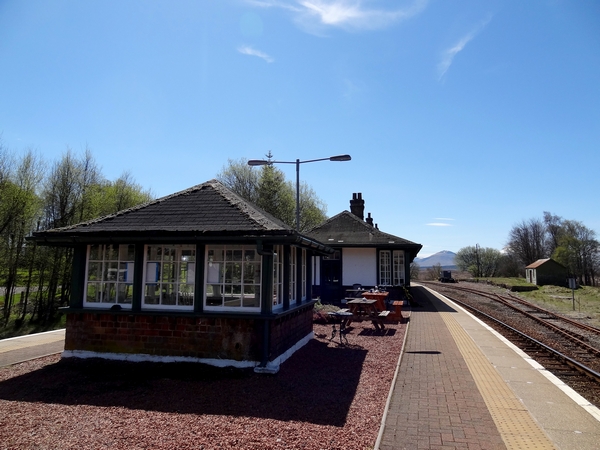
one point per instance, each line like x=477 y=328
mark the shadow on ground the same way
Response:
x=427 y=302
x=317 y=385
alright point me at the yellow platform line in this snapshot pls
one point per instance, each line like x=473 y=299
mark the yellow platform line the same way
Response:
x=514 y=422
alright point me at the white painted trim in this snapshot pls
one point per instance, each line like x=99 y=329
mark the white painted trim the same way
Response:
x=141 y=357
x=272 y=366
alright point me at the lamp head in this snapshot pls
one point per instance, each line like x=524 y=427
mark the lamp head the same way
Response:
x=340 y=158
x=258 y=162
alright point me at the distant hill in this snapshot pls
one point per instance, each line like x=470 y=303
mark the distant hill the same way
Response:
x=444 y=258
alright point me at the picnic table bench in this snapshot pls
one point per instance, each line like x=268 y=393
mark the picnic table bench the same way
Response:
x=365 y=309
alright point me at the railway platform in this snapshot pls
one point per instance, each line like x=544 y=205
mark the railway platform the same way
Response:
x=23 y=348
x=461 y=385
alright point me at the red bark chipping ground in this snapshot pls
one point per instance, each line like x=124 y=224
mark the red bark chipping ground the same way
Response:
x=326 y=396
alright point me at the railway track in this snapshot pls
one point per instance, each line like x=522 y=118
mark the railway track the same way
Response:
x=567 y=348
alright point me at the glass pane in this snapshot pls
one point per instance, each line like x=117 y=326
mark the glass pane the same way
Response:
x=168 y=272
x=233 y=296
x=213 y=295
x=183 y=270
x=125 y=293
x=169 y=295
x=251 y=255
x=155 y=253
x=95 y=253
x=251 y=273
x=237 y=255
x=93 y=293
x=215 y=254
x=122 y=273
x=110 y=293
x=251 y=296
x=126 y=252
x=126 y=272
x=236 y=273
x=113 y=271
x=152 y=294
x=188 y=255
x=186 y=294
x=229 y=272
x=94 y=271
x=169 y=253
x=112 y=252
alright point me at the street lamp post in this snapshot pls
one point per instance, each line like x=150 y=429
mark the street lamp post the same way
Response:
x=264 y=162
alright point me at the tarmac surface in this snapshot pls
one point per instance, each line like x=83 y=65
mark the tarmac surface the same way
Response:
x=24 y=348
x=458 y=385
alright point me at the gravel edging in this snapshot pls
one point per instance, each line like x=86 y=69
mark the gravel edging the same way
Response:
x=326 y=396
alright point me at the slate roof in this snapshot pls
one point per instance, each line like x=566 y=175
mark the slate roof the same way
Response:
x=540 y=262
x=208 y=210
x=348 y=230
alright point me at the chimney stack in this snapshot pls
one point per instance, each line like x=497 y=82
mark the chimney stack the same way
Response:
x=369 y=219
x=357 y=206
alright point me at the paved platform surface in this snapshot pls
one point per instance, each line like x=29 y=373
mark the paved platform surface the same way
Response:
x=461 y=385
x=23 y=348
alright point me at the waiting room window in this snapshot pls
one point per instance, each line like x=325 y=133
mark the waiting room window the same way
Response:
x=398 y=268
x=109 y=275
x=391 y=267
x=233 y=277
x=169 y=277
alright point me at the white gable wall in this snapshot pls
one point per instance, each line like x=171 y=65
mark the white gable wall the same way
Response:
x=359 y=265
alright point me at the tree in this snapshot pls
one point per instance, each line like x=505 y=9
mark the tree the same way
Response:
x=415 y=271
x=434 y=272
x=528 y=242
x=269 y=190
x=509 y=266
x=121 y=194
x=17 y=217
x=479 y=262
x=275 y=195
x=578 y=250
x=554 y=228
x=241 y=179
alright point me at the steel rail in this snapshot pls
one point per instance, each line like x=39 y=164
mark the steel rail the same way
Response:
x=577 y=338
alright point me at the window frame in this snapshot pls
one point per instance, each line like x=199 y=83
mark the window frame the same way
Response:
x=105 y=262
x=218 y=268
x=392 y=270
x=174 y=281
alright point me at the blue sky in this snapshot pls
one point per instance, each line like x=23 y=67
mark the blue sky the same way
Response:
x=462 y=118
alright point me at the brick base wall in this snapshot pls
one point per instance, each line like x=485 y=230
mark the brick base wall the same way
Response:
x=288 y=330
x=238 y=339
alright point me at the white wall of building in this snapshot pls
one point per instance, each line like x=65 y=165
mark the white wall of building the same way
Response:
x=359 y=265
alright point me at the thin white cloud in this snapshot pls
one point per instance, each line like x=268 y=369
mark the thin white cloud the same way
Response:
x=247 y=50
x=449 y=55
x=438 y=224
x=315 y=15
x=443 y=218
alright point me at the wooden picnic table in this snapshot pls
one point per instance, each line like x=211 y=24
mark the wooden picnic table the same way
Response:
x=379 y=296
x=367 y=309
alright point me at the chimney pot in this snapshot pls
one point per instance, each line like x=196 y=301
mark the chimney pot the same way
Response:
x=357 y=205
